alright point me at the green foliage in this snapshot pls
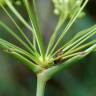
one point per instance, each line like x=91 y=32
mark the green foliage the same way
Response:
x=43 y=61
x=2 y=2
x=17 y=2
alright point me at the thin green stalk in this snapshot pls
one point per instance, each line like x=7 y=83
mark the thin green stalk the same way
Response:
x=41 y=83
x=64 y=57
x=81 y=40
x=20 y=30
x=75 y=15
x=78 y=35
x=20 y=18
x=8 y=47
x=71 y=53
x=49 y=73
x=36 y=30
x=54 y=35
x=75 y=45
x=37 y=21
x=28 y=55
x=18 y=15
x=78 y=40
x=35 y=68
x=16 y=36
x=80 y=48
x=74 y=52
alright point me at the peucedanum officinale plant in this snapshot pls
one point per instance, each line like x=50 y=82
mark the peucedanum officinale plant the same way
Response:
x=48 y=61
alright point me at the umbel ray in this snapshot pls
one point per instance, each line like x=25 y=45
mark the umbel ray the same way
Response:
x=48 y=61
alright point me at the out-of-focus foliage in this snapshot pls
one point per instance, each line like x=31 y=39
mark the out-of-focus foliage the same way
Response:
x=17 y=2
x=80 y=80
x=67 y=7
x=1 y=1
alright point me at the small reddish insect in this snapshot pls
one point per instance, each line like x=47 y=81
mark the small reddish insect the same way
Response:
x=82 y=53
x=58 y=56
x=59 y=53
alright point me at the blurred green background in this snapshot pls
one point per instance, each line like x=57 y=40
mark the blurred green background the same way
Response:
x=18 y=80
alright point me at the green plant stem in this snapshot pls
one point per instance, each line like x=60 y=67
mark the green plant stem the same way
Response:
x=35 y=68
x=49 y=73
x=61 y=20
x=41 y=83
x=36 y=31
x=72 y=20
x=17 y=14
